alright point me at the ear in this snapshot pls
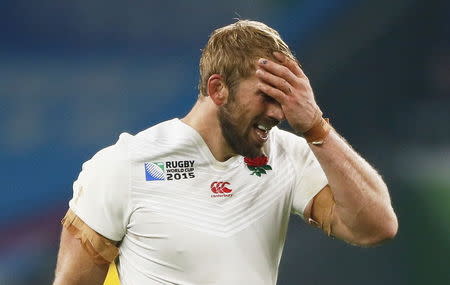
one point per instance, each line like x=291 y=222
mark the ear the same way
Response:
x=217 y=90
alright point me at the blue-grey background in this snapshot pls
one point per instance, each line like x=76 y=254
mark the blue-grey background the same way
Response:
x=75 y=74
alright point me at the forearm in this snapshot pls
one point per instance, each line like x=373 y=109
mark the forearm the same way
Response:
x=362 y=212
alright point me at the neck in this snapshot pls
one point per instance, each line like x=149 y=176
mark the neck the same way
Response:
x=203 y=118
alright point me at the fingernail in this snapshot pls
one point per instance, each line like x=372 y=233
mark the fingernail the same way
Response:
x=263 y=61
x=259 y=71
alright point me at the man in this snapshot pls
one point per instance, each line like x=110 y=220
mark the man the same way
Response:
x=206 y=199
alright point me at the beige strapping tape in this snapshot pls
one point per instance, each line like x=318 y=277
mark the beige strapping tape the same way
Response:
x=100 y=248
x=322 y=210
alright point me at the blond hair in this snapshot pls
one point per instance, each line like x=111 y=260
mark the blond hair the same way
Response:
x=232 y=51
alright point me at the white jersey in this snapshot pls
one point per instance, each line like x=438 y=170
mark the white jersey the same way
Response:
x=185 y=218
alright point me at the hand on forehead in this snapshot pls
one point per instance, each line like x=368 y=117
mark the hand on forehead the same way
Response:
x=282 y=67
x=278 y=77
x=285 y=82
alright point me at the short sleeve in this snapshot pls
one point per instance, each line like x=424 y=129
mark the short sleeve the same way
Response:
x=101 y=192
x=310 y=180
x=309 y=176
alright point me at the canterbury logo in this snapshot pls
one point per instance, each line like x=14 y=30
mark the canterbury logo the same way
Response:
x=220 y=189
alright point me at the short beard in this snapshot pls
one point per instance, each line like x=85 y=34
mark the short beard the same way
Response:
x=239 y=143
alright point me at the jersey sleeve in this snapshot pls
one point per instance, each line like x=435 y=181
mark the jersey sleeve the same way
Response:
x=310 y=180
x=101 y=192
x=309 y=175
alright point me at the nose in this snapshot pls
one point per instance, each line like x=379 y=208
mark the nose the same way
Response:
x=275 y=111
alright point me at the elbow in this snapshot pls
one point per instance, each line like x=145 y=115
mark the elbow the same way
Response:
x=382 y=233
x=387 y=233
x=392 y=229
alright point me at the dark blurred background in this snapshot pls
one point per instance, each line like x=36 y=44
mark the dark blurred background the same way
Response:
x=75 y=74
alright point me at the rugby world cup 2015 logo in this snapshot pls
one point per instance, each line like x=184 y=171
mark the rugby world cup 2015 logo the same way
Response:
x=155 y=171
x=169 y=170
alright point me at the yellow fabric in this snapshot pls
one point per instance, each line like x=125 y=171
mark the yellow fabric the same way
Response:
x=112 y=278
x=100 y=248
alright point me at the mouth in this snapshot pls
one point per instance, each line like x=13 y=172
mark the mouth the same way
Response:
x=262 y=131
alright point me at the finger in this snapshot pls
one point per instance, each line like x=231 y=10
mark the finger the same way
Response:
x=271 y=91
x=292 y=65
x=275 y=81
x=278 y=70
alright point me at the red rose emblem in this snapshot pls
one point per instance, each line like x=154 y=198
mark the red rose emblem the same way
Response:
x=256 y=161
x=257 y=165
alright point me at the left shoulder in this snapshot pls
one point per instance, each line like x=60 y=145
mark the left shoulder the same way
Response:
x=282 y=140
